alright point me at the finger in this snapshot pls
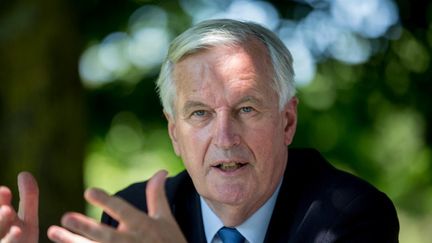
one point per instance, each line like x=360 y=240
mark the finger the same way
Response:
x=5 y=196
x=88 y=227
x=157 y=202
x=13 y=236
x=61 y=235
x=116 y=207
x=29 y=198
x=7 y=217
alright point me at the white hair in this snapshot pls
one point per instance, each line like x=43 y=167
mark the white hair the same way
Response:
x=217 y=32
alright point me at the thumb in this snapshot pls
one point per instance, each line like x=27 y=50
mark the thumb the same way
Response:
x=157 y=202
x=29 y=198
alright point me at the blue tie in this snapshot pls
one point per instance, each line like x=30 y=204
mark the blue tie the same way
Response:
x=230 y=235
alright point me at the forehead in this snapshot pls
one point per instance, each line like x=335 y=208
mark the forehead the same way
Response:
x=246 y=65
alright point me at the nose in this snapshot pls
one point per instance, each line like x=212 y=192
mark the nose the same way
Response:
x=225 y=133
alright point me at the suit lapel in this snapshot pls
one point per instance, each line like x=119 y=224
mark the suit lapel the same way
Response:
x=283 y=223
x=187 y=211
x=283 y=213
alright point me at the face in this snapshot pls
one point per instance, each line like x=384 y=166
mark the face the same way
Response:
x=228 y=128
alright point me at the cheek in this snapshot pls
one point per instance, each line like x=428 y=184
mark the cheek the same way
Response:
x=264 y=133
x=265 y=141
x=201 y=136
x=193 y=145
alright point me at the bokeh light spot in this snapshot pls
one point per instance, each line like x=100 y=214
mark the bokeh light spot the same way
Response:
x=413 y=54
x=148 y=47
x=93 y=73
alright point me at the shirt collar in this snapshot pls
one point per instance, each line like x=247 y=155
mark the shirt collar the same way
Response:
x=253 y=229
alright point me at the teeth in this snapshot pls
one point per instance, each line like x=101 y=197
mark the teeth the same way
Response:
x=230 y=166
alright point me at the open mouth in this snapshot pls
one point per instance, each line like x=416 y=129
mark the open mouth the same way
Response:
x=229 y=166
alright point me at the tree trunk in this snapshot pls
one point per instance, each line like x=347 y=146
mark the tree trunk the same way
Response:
x=42 y=127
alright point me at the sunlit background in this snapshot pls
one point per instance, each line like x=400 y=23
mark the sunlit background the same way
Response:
x=337 y=34
x=329 y=39
x=347 y=31
x=362 y=75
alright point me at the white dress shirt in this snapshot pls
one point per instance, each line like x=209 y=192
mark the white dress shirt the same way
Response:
x=253 y=229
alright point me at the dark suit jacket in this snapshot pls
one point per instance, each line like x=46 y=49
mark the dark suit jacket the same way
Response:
x=316 y=203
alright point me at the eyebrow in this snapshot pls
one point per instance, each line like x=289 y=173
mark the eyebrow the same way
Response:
x=250 y=99
x=190 y=104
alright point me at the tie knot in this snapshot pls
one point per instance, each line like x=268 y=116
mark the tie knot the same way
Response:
x=230 y=235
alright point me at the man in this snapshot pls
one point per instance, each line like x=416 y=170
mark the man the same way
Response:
x=228 y=95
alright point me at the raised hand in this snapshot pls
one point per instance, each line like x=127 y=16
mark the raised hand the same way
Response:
x=24 y=225
x=134 y=226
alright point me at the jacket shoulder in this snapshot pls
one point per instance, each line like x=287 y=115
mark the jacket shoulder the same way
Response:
x=336 y=205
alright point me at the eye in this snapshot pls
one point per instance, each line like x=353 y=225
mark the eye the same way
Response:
x=199 y=118
x=246 y=109
x=199 y=113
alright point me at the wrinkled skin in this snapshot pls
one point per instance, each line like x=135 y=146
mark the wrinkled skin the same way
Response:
x=227 y=116
x=134 y=225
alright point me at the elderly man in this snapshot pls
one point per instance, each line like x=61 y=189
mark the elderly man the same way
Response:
x=228 y=94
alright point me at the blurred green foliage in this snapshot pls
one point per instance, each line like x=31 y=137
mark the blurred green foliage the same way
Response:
x=372 y=119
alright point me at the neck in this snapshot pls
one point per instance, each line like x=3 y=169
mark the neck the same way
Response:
x=231 y=215
x=235 y=215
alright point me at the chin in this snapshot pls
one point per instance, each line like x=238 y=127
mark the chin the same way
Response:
x=232 y=194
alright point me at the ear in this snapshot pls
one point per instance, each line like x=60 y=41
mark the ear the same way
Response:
x=172 y=132
x=290 y=113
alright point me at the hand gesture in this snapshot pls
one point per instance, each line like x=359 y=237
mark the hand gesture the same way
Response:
x=134 y=225
x=24 y=225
